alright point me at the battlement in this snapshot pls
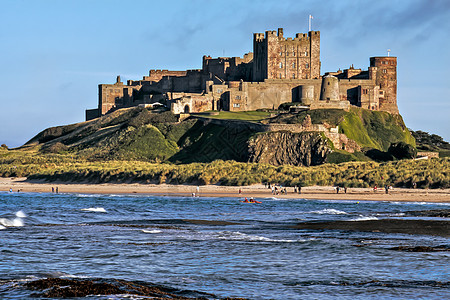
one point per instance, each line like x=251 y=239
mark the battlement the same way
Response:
x=380 y=61
x=259 y=37
x=166 y=72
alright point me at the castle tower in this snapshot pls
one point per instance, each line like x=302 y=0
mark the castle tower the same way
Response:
x=386 y=79
x=307 y=94
x=276 y=57
x=330 y=88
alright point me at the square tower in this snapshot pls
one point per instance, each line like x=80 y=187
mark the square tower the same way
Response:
x=276 y=57
x=386 y=80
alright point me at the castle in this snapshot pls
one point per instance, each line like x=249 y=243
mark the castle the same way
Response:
x=279 y=70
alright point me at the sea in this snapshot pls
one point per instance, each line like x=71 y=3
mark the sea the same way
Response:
x=219 y=246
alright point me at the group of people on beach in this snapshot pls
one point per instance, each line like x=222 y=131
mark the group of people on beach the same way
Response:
x=386 y=188
x=338 y=189
x=277 y=189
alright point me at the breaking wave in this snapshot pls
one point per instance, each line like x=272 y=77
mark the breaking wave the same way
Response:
x=94 y=209
x=16 y=222
x=329 y=211
x=239 y=236
x=364 y=218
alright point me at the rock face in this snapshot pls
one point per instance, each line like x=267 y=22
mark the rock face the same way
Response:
x=287 y=148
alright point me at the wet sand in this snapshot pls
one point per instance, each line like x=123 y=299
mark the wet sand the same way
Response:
x=256 y=191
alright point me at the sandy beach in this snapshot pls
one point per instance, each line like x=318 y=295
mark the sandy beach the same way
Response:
x=256 y=191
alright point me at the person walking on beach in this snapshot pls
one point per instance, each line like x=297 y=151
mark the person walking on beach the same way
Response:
x=386 y=188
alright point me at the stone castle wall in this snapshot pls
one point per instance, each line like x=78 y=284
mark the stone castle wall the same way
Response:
x=279 y=70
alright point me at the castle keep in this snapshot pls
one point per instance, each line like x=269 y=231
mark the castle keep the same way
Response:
x=279 y=70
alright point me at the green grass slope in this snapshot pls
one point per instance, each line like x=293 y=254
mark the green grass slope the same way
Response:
x=375 y=129
x=209 y=142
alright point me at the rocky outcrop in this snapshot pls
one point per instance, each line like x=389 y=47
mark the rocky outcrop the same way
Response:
x=69 y=288
x=288 y=148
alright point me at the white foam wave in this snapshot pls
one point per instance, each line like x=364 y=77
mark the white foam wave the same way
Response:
x=329 y=211
x=239 y=236
x=151 y=231
x=17 y=222
x=2 y=227
x=21 y=214
x=86 y=195
x=94 y=209
x=365 y=218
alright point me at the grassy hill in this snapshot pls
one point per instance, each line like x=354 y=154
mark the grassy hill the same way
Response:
x=140 y=134
x=140 y=145
x=370 y=129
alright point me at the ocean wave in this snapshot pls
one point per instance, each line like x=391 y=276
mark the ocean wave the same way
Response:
x=239 y=236
x=151 y=231
x=364 y=218
x=94 y=209
x=16 y=222
x=21 y=214
x=329 y=211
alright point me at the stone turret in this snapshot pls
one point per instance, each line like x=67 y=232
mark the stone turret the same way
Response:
x=330 y=88
x=307 y=94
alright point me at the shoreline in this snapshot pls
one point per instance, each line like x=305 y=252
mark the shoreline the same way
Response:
x=255 y=191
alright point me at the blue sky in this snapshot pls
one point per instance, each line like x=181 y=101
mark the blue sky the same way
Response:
x=55 y=53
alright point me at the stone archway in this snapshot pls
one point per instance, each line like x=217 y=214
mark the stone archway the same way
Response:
x=187 y=109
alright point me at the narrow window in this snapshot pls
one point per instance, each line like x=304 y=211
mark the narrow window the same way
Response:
x=293 y=76
x=307 y=66
x=281 y=65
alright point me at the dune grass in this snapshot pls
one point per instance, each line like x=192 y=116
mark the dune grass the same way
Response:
x=433 y=173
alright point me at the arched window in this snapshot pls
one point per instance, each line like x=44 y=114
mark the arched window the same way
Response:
x=186 y=109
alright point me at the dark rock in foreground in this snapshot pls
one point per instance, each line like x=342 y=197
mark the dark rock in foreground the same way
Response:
x=421 y=248
x=435 y=213
x=63 y=288
x=425 y=227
